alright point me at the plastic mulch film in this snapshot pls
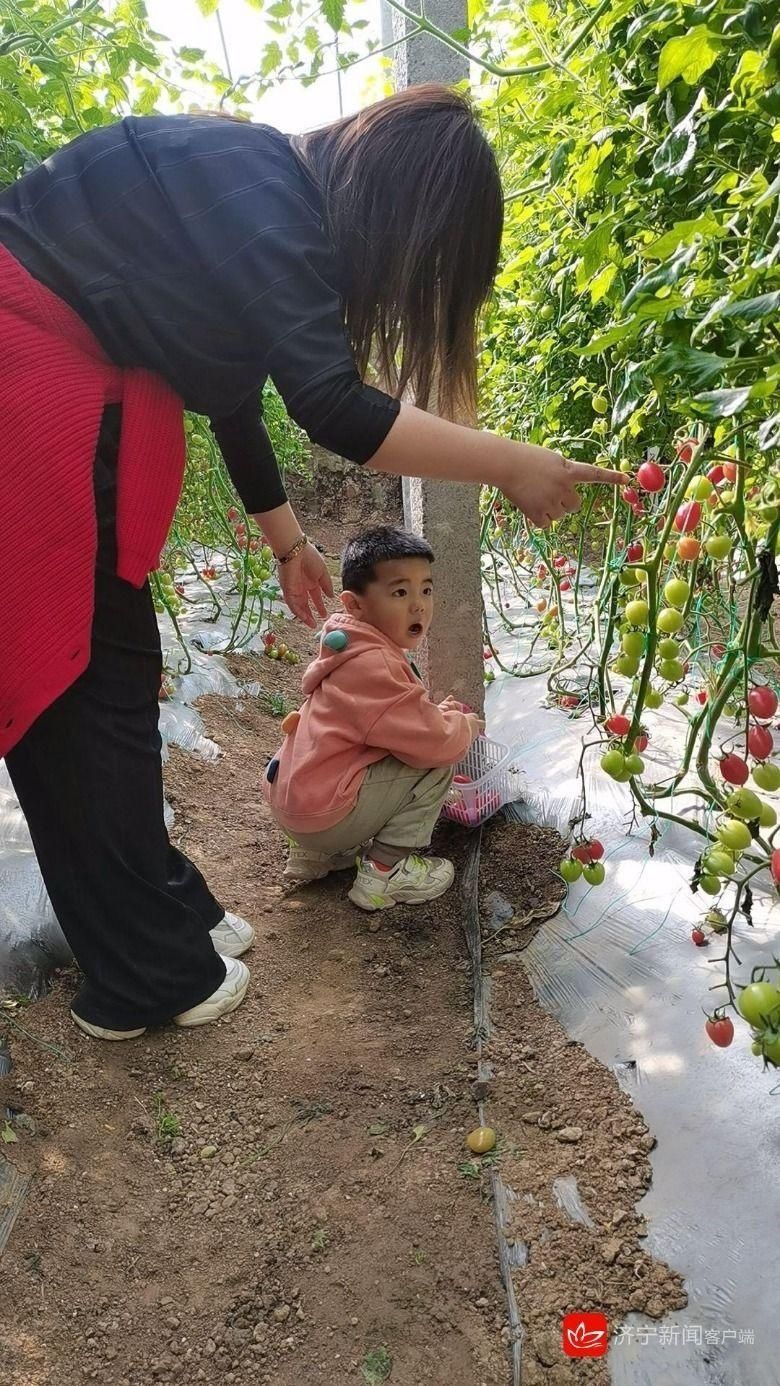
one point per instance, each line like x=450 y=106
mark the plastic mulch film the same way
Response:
x=31 y=941
x=617 y=968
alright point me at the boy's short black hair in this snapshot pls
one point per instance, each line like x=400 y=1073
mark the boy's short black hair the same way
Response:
x=377 y=545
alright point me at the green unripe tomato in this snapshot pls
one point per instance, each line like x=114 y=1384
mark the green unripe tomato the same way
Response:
x=638 y=613
x=626 y=467
x=718 y=546
x=767 y=776
x=594 y=873
x=682 y=698
x=668 y=649
x=546 y=312
x=727 y=499
x=743 y=803
x=626 y=665
x=629 y=577
x=599 y=426
x=633 y=643
x=613 y=763
x=672 y=670
x=570 y=869
x=718 y=862
x=767 y=817
x=599 y=404
x=653 y=698
x=709 y=884
x=677 y=591
x=699 y=488
x=758 y=1003
x=635 y=764
x=669 y=620
x=623 y=777
x=734 y=834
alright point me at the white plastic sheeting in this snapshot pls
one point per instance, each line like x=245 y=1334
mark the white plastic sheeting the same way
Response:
x=31 y=942
x=618 y=969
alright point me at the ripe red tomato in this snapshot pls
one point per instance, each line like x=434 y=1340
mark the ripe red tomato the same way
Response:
x=630 y=496
x=487 y=654
x=596 y=849
x=699 y=937
x=569 y=700
x=716 y=475
x=720 y=1029
x=730 y=471
x=560 y=561
x=717 y=651
x=640 y=742
x=617 y=724
x=687 y=517
x=651 y=477
x=685 y=449
x=233 y=515
x=734 y=769
x=760 y=742
x=762 y=702
x=269 y=639
x=774 y=866
x=582 y=853
x=566 y=585
x=240 y=530
x=702 y=696
x=635 y=551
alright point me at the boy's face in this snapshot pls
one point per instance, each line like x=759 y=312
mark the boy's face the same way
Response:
x=399 y=601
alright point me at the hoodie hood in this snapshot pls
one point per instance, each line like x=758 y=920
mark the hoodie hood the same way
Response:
x=360 y=638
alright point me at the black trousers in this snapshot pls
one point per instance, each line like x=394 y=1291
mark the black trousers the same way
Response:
x=88 y=776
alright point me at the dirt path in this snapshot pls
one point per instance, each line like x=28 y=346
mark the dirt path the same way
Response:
x=285 y=1197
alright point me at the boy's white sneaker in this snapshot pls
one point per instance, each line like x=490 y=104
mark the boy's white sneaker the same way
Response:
x=411 y=882
x=304 y=866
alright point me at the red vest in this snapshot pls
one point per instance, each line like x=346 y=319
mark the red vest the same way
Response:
x=55 y=382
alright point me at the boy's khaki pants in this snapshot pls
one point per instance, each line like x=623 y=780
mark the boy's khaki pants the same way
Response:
x=397 y=807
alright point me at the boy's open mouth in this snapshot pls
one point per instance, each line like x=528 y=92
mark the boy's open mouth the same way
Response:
x=416 y=628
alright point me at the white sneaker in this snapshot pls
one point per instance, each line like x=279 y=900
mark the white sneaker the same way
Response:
x=222 y=1001
x=99 y=1031
x=304 y=866
x=413 y=881
x=232 y=936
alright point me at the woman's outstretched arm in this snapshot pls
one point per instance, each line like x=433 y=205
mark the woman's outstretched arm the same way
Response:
x=539 y=482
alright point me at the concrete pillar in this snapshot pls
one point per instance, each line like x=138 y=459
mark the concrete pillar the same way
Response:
x=447 y=514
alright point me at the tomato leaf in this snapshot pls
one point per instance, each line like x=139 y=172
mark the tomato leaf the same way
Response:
x=722 y=404
x=333 y=12
x=706 y=226
x=695 y=367
x=689 y=56
x=769 y=433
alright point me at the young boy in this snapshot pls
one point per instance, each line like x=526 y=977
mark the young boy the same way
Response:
x=366 y=766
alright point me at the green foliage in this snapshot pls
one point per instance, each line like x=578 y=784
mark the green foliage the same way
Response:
x=642 y=242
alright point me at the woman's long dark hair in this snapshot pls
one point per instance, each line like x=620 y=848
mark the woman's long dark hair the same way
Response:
x=414 y=209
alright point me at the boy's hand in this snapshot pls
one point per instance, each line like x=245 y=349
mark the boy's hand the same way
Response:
x=450 y=704
x=476 y=724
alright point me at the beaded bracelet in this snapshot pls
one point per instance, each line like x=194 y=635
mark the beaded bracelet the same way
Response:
x=297 y=547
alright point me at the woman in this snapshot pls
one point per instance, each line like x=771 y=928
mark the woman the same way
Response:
x=180 y=261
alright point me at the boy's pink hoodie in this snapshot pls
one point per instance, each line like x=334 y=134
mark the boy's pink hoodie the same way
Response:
x=362 y=703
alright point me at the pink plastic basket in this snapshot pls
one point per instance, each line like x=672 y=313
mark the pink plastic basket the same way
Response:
x=484 y=781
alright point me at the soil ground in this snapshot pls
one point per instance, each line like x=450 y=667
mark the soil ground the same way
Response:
x=286 y=1197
